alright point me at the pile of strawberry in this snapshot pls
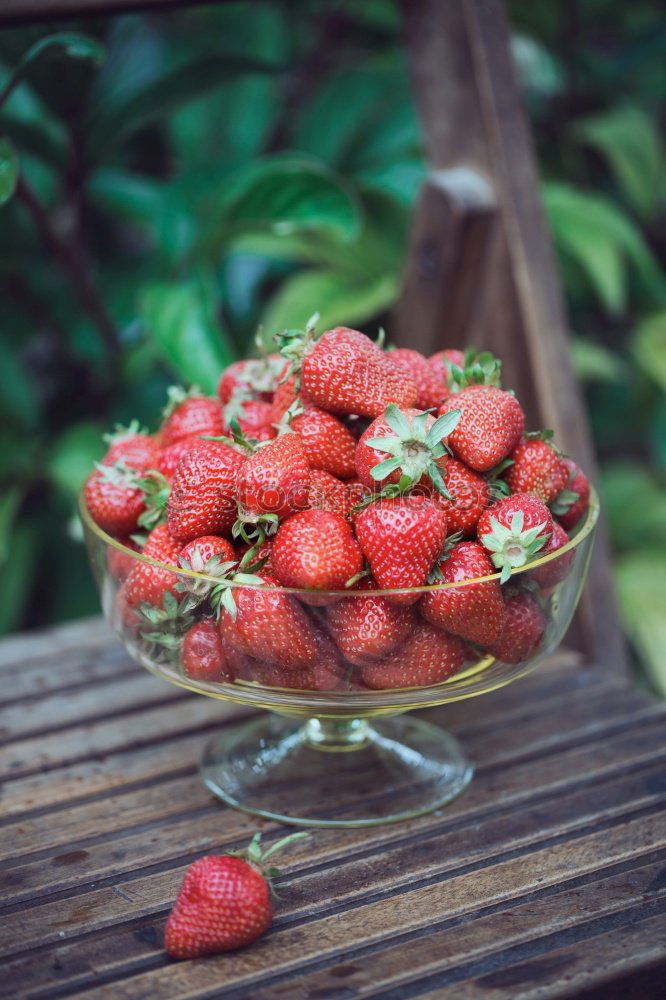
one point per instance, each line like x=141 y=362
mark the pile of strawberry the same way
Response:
x=335 y=465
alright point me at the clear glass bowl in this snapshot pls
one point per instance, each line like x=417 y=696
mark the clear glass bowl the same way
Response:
x=334 y=751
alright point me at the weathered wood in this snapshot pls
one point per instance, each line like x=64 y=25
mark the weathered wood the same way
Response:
x=474 y=126
x=560 y=838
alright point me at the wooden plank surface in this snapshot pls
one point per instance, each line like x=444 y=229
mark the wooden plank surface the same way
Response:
x=546 y=878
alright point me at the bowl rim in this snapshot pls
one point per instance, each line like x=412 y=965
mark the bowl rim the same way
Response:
x=584 y=528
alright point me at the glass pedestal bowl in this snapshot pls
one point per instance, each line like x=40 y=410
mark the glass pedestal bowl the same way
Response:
x=330 y=741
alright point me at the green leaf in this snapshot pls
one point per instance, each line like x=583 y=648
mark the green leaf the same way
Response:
x=630 y=142
x=69 y=43
x=602 y=240
x=9 y=504
x=641 y=584
x=649 y=347
x=17 y=575
x=9 y=170
x=73 y=454
x=162 y=96
x=339 y=298
x=635 y=506
x=291 y=196
x=181 y=318
x=593 y=362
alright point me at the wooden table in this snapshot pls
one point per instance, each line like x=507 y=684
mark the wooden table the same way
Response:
x=546 y=878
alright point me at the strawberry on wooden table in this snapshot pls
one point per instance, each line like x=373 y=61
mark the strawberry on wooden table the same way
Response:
x=203 y=492
x=570 y=505
x=315 y=550
x=190 y=413
x=401 y=538
x=224 y=902
x=475 y=612
x=524 y=628
x=428 y=656
x=490 y=425
x=514 y=531
x=536 y=467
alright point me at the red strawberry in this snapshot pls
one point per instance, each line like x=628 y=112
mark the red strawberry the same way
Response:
x=570 y=505
x=470 y=495
x=172 y=454
x=428 y=656
x=344 y=372
x=489 y=428
x=224 y=903
x=369 y=627
x=258 y=376
x=269 y=625
x=190 y=414
x=275 y=479
x=557 y=570
x=328 y=444
x=431 y=388
x=147 y=584
x=326 y=673
x=404 y=446
x=401 y=539
x=203 y=492
x=524 y=628
x=120 y=563
x=537 y=468
x=254 y=417
x=514 y=531
x=474 y=612
x=284 y=395
x=114 y=500
x=442 y=362
x=263 y=551
x=133 y=448
x=315 y=550
x=203 y=655
x=328 y=493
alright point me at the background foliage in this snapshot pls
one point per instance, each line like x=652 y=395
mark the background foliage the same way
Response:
x=168 y=182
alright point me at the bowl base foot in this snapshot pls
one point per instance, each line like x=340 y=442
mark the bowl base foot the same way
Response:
x=335 y=772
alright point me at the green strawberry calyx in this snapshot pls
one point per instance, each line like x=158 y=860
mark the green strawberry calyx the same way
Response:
x=565 y=500
x=414 y=449
x=120 y=434
x=156 y=490
x=511 y=547
x=177 y=394
x=167 y=624
x=294 y=345
x=257 y=858
x=478 y=368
